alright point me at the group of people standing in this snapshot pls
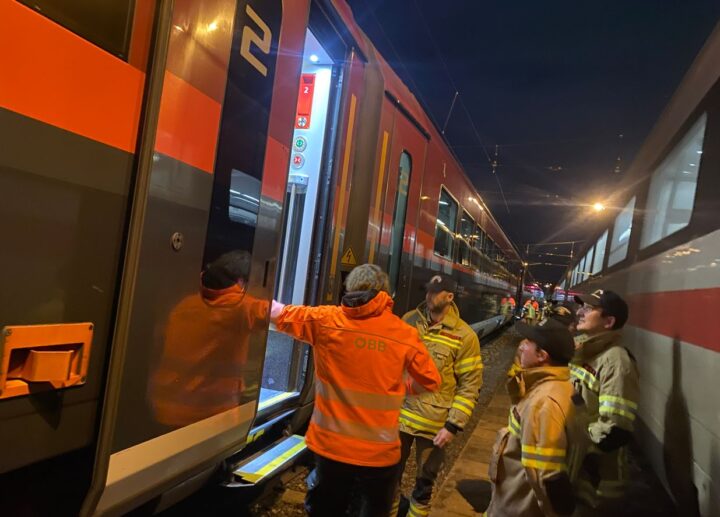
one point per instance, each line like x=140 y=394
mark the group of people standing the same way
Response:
x=384 y=383
x=574 y=389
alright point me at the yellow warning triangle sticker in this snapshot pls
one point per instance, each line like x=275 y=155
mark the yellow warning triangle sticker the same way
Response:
x=348 y=258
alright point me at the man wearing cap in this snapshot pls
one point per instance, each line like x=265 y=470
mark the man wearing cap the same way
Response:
x=431 y=420
x=536 y=458
x=606 y=376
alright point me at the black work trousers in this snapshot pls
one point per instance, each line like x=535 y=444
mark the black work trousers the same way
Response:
x=429 y=461
x=336 y=483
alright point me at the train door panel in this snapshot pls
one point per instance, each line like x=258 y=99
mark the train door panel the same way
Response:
x=187 y=388
x=399 y=231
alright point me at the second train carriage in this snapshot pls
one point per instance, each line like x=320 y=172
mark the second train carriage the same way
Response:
x=144 y=140
x=661 y=251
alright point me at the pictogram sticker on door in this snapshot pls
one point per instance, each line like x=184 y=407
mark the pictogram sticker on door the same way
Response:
x=348 y=258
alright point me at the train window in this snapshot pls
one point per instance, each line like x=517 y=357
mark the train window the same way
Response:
x=599 y=253
x=581 y=269
x=106 y=23
x=467 y=227
x=398 y=227
x=672 y=188
x=445 y=224
x=621 y=234
x=478 y=238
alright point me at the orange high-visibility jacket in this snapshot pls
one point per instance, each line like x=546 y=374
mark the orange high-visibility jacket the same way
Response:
x=361 y=355
x=204 y=355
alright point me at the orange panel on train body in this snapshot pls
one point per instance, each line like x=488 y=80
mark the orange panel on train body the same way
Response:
x=57 y=77
x=188 y=124
x=195 y=81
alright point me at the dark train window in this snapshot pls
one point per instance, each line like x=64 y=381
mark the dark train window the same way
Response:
x=398 y=228
x=467 y=228
x=445 y=224
x=106 y=23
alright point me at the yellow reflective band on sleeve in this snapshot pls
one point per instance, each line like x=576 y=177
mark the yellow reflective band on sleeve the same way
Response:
x=613 y=405
x=469 y=364
x=544 y=451
x=619 y=400
x=608 y=410
x=541 y=465
x=420 y=423
x=462 y=408
x=546 y=458
x=437 y=338
x=416 y=511
x=581 y=374
x=463 y=400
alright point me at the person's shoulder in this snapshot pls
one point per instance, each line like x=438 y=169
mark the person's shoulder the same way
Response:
x=410 y=316
x=617 y=354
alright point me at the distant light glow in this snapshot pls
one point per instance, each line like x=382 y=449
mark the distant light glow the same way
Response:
x=314 y=58
x=212 y=26
x=598 y=207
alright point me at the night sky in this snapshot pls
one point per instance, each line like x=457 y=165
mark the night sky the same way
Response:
x=563 y=88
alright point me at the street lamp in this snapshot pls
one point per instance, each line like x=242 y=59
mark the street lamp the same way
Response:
x=598 y=207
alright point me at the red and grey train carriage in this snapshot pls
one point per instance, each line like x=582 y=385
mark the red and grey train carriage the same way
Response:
x=143 y=140
x=661 y=250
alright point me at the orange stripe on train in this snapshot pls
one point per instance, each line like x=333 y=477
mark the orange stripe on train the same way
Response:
x=52 y=75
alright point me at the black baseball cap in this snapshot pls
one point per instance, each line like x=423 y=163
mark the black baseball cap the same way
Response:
x=564 y=315
x=610 y=302
x=441 y=283
x=552 y=336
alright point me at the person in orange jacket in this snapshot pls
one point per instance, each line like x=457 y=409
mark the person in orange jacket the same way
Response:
x=200 y=371
x=362 y=353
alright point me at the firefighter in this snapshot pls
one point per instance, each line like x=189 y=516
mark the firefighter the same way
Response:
x=361 y=354
x=605 y=374
x=431 y=420
x=529 y=312
x=536 y=458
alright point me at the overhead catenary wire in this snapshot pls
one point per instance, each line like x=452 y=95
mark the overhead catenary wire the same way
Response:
x=401 y=63
x=458 y=95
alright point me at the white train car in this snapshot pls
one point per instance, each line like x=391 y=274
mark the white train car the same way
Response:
x=661 y=251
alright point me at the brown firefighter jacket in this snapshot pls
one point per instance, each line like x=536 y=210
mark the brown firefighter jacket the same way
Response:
x=455 y=348
x=607 y=378
x=538 y=455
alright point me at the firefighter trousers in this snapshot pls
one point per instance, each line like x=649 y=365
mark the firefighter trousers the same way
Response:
x=429 y=461
x=336 y=483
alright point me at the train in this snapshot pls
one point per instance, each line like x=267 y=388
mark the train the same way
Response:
x=145 y=140
x=661 y=251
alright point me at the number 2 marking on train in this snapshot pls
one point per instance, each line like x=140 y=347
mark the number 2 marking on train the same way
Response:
x=261 y=42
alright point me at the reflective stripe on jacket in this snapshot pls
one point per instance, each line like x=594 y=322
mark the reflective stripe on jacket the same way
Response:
x=361 y=354
x=607 y=378
x=544 y=439
x=455 y=349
